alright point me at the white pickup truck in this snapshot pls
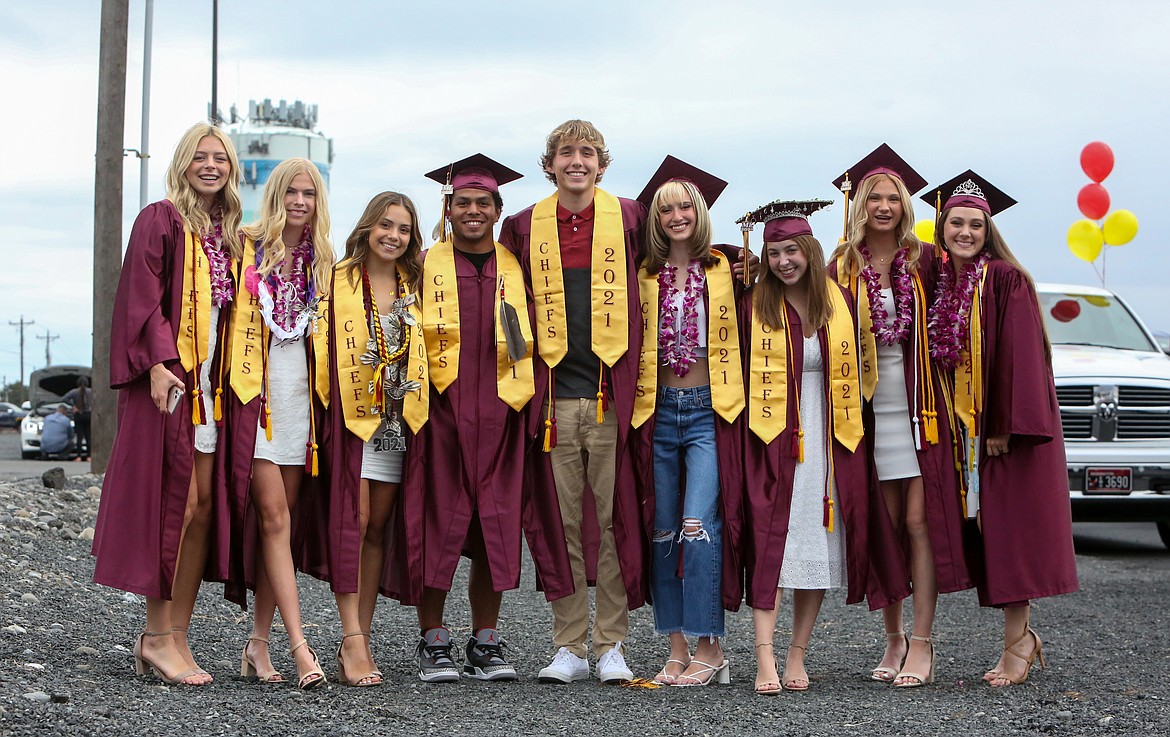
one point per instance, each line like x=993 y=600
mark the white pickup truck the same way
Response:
x=1113 y=385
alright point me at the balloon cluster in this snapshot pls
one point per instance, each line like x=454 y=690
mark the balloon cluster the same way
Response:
x=1087 y=236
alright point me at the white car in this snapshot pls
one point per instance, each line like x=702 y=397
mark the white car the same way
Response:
x=1113 y=385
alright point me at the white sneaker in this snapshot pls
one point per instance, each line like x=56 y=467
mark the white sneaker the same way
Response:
x=565 y=668
x=611 y=667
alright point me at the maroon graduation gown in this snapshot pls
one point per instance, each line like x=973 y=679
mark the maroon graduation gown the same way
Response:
x=873 y=562
x=144 y=495
x=466 y=463
x=1025 y=550
x=940 y=480
x=729 y=449
x=543 y=527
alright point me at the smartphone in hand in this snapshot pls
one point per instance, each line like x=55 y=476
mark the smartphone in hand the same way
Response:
x=173 y=399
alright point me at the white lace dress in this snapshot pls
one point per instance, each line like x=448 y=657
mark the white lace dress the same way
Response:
x=814 y=558
x=894 y=452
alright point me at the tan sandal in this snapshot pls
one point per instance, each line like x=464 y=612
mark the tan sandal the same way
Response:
x=373 y=678
x=248 y=668
x=766 y=688
x=1037 y=653
x=185 y=632
x=884 y=673
x=919 y=678
x=796 y=684
x=143 y=664
x=315 y=677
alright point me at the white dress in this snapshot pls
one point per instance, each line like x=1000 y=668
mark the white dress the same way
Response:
x=894 y=452
x=814 y=558
x=207 y=435
x=288 y=400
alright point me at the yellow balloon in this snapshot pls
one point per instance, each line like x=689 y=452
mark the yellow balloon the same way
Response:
x=924 y=229
x=1095 y=300
x=1120 y=227
x=1085 y=240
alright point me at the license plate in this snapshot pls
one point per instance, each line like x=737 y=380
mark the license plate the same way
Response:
x=1108 y=480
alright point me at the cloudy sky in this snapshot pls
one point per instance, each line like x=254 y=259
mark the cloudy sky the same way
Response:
x=776 y=97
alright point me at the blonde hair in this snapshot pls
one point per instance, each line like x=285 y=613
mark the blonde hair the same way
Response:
x=768 y=301
x=357 y=245
x=269 y=229
x=574 y=130
x=186 y=201
x=859 y=218
x=658 y=244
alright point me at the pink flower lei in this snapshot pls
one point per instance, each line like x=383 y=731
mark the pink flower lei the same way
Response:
x=888 y=333
x=678 y=335
x=949 y=322
x=222 y=290
x=292 y=293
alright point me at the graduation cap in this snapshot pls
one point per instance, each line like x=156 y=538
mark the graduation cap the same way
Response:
x=475 y=172
x=968 y=190
x=882 y=160
x=784 y=219
x=676 y=170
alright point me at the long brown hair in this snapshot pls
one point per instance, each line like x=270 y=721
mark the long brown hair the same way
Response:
x=357 y=245
x=182 y=195
x=997 y=248
x=657 y=243
x=768 y=301
x=859 y=217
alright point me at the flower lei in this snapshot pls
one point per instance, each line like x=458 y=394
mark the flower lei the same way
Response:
x=888 y=333
x=290 y=292
x=678 y=335
x=222 y=290
x=949 y=322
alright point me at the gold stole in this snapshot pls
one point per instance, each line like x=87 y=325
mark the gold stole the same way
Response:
x=969 y=390
x=195 y=316
x=353 y=335
x=768 y=387
x=607 y=286
x=866 y=340
x=724 y=367
x=440 y=316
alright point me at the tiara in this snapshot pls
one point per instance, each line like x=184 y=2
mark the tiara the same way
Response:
x=969 y=187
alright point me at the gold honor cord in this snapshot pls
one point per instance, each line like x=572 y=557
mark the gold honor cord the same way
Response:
x=725 y=372
x=196 y=314
x=440 y=317
x=923 y=363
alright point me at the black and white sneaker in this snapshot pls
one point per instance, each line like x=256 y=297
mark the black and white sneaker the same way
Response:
x=485 y=659
x=435 y=664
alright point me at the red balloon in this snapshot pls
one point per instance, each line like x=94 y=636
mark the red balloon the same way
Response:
x=1097 y=160
x=1066 y=310
x=1093 y=201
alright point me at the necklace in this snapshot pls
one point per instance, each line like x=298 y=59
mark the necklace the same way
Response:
x=888 y=333
x=678 y=328
x=387 y=351
x=950 y=315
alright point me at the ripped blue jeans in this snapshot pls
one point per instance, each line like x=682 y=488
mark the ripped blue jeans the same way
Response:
x=687 y=522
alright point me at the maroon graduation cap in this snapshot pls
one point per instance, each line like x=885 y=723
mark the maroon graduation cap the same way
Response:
x=968 y=190
x=784 y=219
x=882 y=160
x=676 y=170
x=475 y=172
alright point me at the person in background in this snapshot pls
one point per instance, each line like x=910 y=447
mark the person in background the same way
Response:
x=80 y=399
x=56 y=432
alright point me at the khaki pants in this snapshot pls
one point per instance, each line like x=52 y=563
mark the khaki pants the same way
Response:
x=586 y=450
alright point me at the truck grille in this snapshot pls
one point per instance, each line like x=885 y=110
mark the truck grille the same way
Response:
x=1088 y=412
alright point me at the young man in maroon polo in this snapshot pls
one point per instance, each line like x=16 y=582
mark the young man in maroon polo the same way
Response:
x=579 y=250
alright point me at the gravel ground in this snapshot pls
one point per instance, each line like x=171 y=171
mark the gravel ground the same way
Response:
x=66 y=665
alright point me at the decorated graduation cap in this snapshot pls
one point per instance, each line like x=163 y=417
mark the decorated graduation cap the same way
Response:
x=882 y=160
x=968 y=190
x=783 y=219
x=674 y=169
x=475 y=172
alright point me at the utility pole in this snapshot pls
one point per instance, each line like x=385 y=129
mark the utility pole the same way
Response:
x=107 y=219
x=21 y=324
x=215 y=63
x=48 y=339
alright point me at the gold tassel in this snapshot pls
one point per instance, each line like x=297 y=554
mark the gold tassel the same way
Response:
x=800 y=446
x=829 y=527
x=196 y=408
x=547 y=435
x=600 y=409
x=931 y=418
x=314 y=472
x=218 y=416
x=267 y=422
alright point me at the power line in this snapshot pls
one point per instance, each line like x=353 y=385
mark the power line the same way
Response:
x=21 y=323
x=48 y=339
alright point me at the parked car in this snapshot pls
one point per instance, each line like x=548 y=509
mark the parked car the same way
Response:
x=11 y=415
x=1113 y=385
x=47 y=387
